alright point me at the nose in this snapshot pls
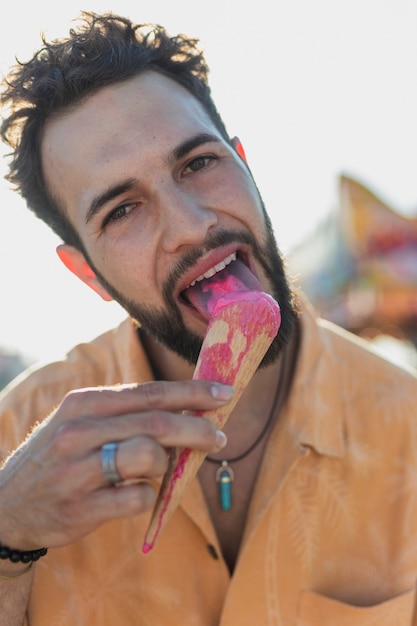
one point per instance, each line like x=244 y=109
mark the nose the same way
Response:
x=186 y=219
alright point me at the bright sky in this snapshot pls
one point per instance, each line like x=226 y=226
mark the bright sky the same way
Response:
x=311 y=88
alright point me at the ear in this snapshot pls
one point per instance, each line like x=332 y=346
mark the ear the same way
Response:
x=75 y=261
x=239 y=149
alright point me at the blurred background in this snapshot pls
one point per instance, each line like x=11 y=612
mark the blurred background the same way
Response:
x=323 y=96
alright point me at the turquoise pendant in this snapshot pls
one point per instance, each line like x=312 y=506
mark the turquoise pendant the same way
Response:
x=225 y=476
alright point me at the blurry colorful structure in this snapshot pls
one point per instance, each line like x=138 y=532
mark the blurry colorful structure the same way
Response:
x=359 y=268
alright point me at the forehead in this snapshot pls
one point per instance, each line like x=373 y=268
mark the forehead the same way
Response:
x=137 y=119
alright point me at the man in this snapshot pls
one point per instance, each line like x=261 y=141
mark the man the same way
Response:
x=119 y=148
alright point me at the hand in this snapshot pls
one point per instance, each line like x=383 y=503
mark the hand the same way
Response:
x=52 y=490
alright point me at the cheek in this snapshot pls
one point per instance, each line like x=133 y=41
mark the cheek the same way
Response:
x=225 y=185
x=130 y=267
x=244 y=201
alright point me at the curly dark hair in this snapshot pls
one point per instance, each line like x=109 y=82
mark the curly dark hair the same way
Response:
x=102 y=50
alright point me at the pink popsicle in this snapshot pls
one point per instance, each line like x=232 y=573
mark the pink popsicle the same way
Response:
x=242 y=326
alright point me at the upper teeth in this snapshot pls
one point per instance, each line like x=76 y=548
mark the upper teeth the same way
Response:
x=216 y=268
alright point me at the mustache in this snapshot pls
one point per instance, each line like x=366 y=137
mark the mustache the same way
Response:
x=213 y=241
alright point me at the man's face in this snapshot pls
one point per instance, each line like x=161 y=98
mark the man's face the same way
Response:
x=159 y=199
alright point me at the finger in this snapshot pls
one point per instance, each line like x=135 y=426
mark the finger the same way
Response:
x=80 y=516
x=174 y=429
x=146 y=457
x=138 y=458
x=76 y=439
x=122 y=501
x=165 y=395
x=142 y=451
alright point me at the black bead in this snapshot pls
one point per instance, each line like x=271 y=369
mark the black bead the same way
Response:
x=4 y=552
x=25 y=557
x=15 y=556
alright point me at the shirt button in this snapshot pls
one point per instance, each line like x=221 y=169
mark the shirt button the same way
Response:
x=212 y=551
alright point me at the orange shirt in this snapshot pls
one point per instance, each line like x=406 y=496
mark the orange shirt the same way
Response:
x=331 y=537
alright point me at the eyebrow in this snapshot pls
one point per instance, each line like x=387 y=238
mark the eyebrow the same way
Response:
x=116 y=190
x=106 y=196
x=189 y=144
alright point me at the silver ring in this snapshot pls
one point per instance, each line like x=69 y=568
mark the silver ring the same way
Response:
x=108 y=463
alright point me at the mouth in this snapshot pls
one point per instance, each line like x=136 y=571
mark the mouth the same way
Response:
x=219 y=267
x=231 y=273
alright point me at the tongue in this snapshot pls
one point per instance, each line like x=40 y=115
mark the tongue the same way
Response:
x=235 y=277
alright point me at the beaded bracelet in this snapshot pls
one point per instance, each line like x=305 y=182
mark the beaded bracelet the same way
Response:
x=24 y=557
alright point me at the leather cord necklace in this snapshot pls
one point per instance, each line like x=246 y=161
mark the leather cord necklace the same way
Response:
x=225 y=474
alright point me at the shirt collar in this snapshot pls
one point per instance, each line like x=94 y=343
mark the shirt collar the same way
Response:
x=315 y=405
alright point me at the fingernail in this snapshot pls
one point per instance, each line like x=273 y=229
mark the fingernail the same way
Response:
x=221 y=392
x=221 y=439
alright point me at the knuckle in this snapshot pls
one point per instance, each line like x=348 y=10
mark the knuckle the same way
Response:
x=88 y=399
x=134 y=500
x=147 y=453
x=197 y=388
x=70 y=400
x=209 y=430
x=158 y=424
x=205 y=431
x=67 y=437
x=143 y=499
x=153 y=392
x=73 y=399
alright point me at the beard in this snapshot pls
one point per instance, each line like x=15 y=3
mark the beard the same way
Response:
x=166 y=324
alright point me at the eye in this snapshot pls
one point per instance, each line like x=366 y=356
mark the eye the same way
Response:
x=119 y=214
x=199 y=163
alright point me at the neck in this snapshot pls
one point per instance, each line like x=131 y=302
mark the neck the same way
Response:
x=166 y=365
